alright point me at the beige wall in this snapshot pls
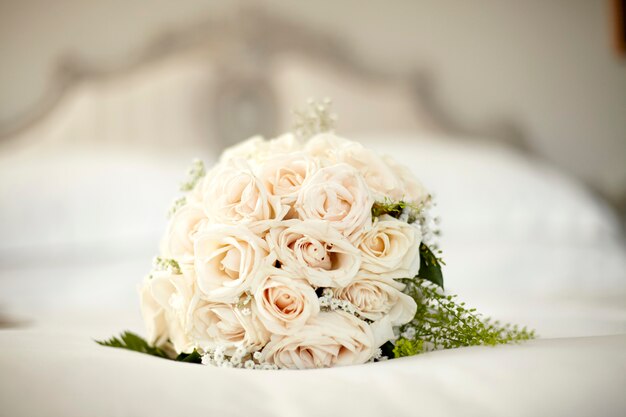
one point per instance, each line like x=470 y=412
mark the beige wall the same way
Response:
x=548 y=65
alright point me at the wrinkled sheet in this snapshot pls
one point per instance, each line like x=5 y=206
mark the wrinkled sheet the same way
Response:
x=60 y=371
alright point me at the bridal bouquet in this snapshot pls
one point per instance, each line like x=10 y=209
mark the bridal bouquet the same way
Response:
x=304 y=251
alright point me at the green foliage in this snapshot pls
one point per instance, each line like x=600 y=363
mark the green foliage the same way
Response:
x=166 y=264
x=387 y=349
x=193 y=357
x=394 y=209
x=176 y=205
x=442 y=323
x=194 y=174
x=430 y=266
x=131 y=341
x=407 y=347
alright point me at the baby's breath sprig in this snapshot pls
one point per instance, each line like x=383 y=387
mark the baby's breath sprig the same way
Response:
x=194 y=174
x=241 y=358
x=328 y=302
x=429 y=223
x=315 y=118
x=176 y=205
x=166 y=264
x=442 y=323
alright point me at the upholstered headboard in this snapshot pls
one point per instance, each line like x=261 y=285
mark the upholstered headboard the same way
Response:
x=221 y=81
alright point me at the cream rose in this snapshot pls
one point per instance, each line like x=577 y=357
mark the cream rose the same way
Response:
x=283 y=175
x=284 y=303
x=339 y=195
x=233 y=194
x=331 y=339
x=249 y=149
x=379 y=176
x=313 y=250
x=283 y=144
x=257 y=149
x=211 y=325
x=326 y=146
x=164 y=300
x=411 y=190
x=390 y=248
x=375 y=298
x=382 y=174
x=179 y=238
x=228 y=261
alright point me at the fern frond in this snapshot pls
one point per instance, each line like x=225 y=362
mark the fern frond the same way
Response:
x=131 y=341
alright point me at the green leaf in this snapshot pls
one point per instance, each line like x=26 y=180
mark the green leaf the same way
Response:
x=442 y=322
x=387 y=349
x=193 y=357
x=430 y=266
x=405 y=347
x=395 y=209
x=194 y=174
x=131 y=341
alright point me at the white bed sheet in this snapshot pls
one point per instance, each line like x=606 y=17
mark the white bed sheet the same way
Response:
x=52 y=367
x=59 y=371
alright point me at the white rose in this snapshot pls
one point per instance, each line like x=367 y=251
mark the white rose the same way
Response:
x=383 y=331
x=379 y=176
x=331 y=339
x=383 y=174
x=326 y=146
x=256 y=149
x=391 y=248
x=164 y=300
x=313 y=250
x=339 y=195
x=233 y=194
x=283 y=303
x=283 y=175
x=178 y=240
x=412 y=189
x=375 y=298
x=211 y=325
x=228 y=260
x=286 y=143
x=249 y=149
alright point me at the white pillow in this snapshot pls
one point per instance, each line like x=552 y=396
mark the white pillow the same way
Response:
x=512 y=223
x=86 y=198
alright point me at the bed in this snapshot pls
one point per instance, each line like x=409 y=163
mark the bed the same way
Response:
x=85 y=186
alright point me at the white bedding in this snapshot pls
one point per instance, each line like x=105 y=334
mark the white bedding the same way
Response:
x=71 y=376
x=522 y=243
